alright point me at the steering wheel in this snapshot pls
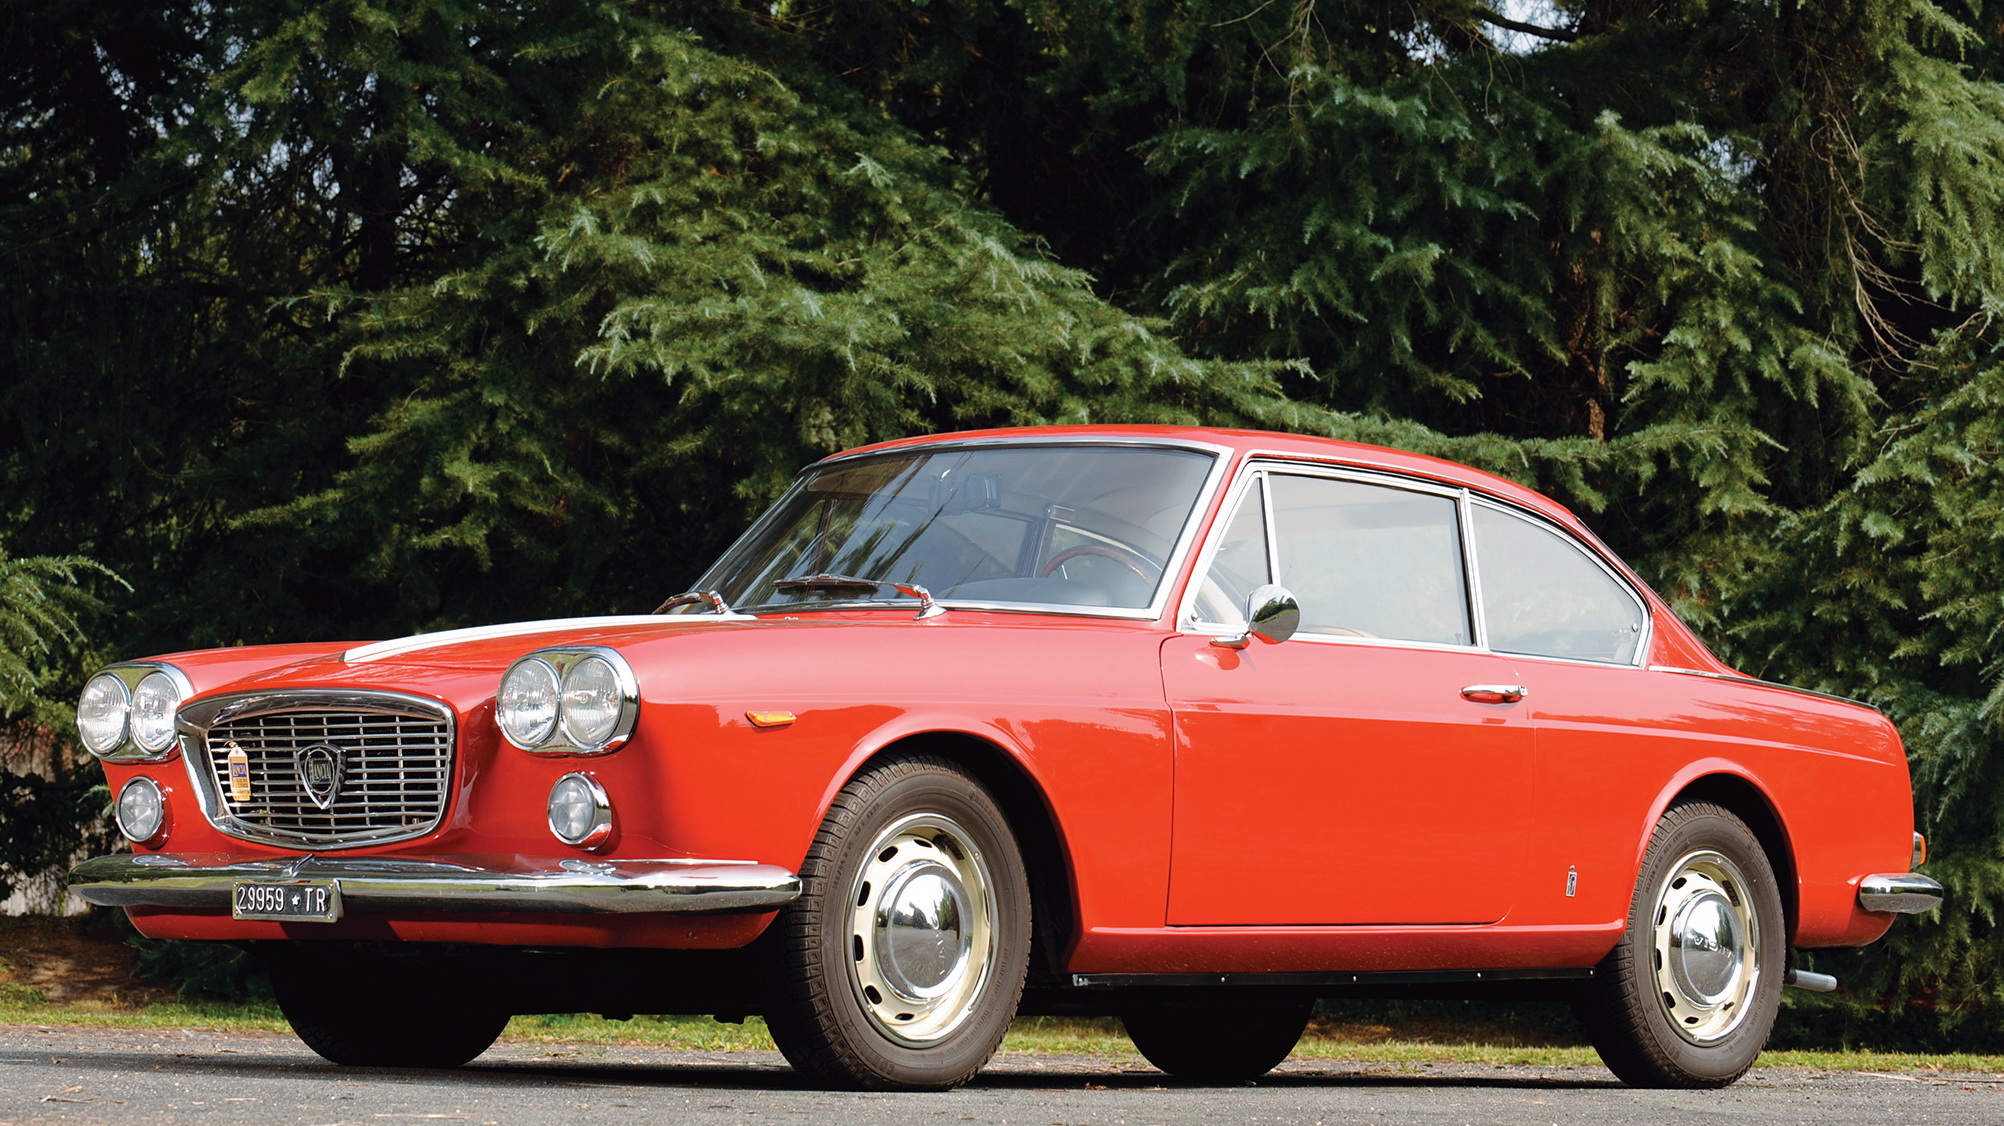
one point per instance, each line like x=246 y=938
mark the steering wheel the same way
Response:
x=1132 y=560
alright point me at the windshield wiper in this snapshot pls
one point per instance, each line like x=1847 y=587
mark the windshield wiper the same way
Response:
x=708 y=598
x=801 y=584
x=826 y=581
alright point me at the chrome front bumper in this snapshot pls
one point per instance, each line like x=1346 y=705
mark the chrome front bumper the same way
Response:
x=1902 y=893
x=458 y=883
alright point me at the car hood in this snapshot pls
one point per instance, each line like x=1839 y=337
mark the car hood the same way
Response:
x=673 y=656
x=460 y=666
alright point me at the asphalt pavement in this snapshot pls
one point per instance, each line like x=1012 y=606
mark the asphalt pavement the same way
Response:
x=184 y=1077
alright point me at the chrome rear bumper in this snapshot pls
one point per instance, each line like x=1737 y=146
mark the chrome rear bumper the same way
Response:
x=1902 y=893
x=456 y=883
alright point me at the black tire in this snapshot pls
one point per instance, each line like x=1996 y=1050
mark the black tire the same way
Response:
x=370 y=1012
x=1688 y=996
x=866 y=1004
x=1217 y=1041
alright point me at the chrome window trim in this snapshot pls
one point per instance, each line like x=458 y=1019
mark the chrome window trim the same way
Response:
x=1172 y=564
x=1583 y=662
x=1162 y=442
x=1263 y=465
x=1645 y=637
x=902 y=607
x=1264 y=481
x=194 y=721
x=1250 y=476
x=1471 y=570
x=130 y=673
x=562 y=658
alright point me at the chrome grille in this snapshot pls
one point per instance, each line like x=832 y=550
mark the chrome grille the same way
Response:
x=395 y=769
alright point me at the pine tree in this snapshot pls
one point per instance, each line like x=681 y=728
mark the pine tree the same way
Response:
x=685 y=276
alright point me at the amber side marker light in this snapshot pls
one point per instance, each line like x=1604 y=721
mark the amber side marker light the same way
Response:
x=1920 y=850
x=769 y=719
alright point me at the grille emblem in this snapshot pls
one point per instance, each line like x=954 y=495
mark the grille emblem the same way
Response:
x=319 y=768
x=239 y=766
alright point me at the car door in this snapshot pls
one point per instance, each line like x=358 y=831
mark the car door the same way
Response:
x=1372 y=769
x=1609 y=738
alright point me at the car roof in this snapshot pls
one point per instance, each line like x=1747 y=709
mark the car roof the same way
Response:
x=1242 y=444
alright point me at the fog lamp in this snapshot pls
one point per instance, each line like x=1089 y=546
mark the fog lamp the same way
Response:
x=580 y=811
x=142 y=811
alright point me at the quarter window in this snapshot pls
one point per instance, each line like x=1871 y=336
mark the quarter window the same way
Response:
x=1543 y=596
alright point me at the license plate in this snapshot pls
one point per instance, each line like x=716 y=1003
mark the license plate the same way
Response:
x=300 y=901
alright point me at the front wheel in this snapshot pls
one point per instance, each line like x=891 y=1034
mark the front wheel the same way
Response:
x=904 y=957
x=1688 y=996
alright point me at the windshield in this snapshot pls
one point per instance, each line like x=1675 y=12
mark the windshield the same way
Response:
x=1072 y=526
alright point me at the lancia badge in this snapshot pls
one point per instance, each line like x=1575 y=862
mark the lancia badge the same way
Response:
x=319 y=769
x=239 y=763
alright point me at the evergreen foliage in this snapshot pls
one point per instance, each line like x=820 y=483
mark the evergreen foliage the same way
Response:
x=55 y=810
x=731 y=280
x=43 y=604
x=355 y=317
x=1889 y=591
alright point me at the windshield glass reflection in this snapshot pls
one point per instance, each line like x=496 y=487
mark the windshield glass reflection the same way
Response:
x=1067 y=526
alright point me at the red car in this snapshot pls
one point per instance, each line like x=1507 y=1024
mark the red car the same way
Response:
x=1188 y=726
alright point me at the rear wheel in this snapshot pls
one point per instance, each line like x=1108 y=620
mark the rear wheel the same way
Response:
x=1217 y=1040
x=903 y=959
x=372 y=1012
x=1689 y=995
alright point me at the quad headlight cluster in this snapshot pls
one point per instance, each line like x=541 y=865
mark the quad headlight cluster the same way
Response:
x=568 y=701
x=126 y=713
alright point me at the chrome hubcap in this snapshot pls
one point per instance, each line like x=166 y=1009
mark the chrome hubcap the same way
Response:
x=921 y=929
x=1705 y=946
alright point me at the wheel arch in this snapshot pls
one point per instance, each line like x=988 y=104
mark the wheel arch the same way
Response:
x=1047 y=863
x=1751 y=805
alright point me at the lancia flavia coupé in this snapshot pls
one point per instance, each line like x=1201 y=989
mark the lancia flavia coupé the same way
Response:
x=1188 y=727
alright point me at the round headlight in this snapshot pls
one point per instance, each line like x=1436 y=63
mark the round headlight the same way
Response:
x=142 y=811
x=592 y=702
x=101 y=713
x=526 y=706
x=153 y=704
x=580 y=811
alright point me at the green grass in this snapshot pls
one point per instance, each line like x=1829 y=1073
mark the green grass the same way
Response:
x=1029 y=1035
x=20 y=1004
x=697 y=1033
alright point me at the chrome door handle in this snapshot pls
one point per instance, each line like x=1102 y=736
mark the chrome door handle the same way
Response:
x=1495 y=693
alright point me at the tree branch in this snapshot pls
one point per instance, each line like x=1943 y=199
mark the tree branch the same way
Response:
x=1551 y=33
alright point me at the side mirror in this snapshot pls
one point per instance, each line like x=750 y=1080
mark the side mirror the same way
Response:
x=1272 y=615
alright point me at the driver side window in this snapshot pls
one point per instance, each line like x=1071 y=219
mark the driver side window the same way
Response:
x=1368 y=560
x=1363 y=559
